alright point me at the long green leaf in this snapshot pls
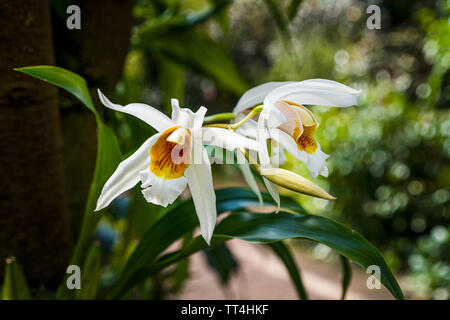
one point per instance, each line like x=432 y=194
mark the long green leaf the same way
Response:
x=292 y=9
x=180 y=220
x=269 y=228
x=64 y=79
x=90 y=275
x=277 y=14
x=14 y=283
x=171 y=82
x=108 y=157
x=222 y=261
x=346 y=275
x=282 y=251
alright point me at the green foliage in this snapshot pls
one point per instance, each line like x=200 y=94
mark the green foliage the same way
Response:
x=108 y=156
x=269 y=228
x=169 y=45
x=14 y=283
x=346 y=275
x=392 y=150
x=282 y=251
x=221 y=259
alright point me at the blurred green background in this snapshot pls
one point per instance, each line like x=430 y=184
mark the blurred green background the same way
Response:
x=389 y=163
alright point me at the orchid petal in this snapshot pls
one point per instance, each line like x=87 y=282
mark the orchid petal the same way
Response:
x=200 y=183
x=314 y=93
x=324 y=84
x=226 y=139
x=161 y=191
x=127 y=174
x=248 y=175
x=185 y=117
x=273 y=191
x=316 y=162
x=146 y=113
x=256 y=95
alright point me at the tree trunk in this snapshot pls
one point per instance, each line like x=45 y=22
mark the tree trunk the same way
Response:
x=97 y=52
x=34 y=222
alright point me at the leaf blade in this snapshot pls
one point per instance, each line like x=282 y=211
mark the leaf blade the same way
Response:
x=282 y=251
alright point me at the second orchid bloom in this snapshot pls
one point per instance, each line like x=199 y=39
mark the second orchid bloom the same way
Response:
x=176 y=157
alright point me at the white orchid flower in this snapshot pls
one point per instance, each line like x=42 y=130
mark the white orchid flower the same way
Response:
x=172 y=159
x=286 y=120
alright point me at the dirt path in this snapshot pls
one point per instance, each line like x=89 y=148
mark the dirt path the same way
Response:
x=262 y=276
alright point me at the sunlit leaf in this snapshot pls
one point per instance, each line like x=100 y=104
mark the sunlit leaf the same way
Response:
x=64 y=79
x=177 y=222
x=14 y=283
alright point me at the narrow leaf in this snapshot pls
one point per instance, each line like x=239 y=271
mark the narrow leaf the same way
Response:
x=277 y=14
x=14 y=283
x=108 y=157
x=90 y=275
x=177 y=222
x=282 y=251
x=222 y=261
x=269 y=228
x=64 y=79
x=293 y=9
x=346 y=275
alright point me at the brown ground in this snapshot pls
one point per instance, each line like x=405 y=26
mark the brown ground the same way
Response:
x=261 y=275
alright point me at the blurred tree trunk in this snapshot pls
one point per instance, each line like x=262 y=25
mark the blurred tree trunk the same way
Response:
x=98 y=53
x=34 y=221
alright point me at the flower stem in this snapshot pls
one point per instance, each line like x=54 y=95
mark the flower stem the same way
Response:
x=252 y=113
x=219 y=117
x=230 y=116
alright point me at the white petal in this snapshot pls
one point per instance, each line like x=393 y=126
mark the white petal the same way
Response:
x=161 y=191
x=277 y=156
x=273 y=191
x=248 y=175
x=186 y=118
x=226 y=139
x=256 y=95
x=175 y=108
x=261 y=137
x=127 y=174
x=288 y=143
x=248 y=129
x=329 y=85
x=305 y=95
x=146 y=113
x=199 y=116
x=201 y=185
x=316 y=162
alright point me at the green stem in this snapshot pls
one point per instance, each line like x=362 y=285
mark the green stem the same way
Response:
x=252 y=113
x=219 y=117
